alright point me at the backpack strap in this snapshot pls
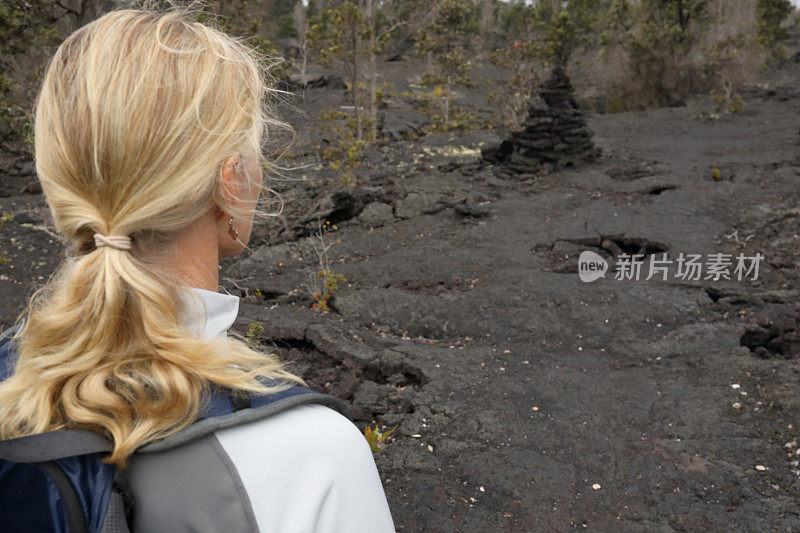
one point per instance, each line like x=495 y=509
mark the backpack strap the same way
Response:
x=52 y=445
x=67 y=443
x=223 y=413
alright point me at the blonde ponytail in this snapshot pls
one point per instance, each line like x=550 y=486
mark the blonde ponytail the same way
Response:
x=137 y=112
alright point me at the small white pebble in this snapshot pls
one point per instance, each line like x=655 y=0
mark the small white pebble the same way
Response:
x=743 y=393
x=596 y=486
x=481 y=489
x=735 y=386
x=737 y=405
x=416 y=436
x=761 y=468
x=430 y=448
x=534 y=408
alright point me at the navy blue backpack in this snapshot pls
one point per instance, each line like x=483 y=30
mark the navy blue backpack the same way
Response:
x=56 y=483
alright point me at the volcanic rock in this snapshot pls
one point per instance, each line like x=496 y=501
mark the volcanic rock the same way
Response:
x=554 y=136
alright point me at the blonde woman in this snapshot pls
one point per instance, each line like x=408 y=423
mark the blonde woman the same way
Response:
x=148 y=138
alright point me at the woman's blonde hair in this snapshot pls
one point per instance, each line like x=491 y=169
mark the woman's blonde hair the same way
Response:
x=137 y=112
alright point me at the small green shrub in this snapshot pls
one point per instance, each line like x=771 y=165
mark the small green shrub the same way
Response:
x=342 y=151
x=330 y=285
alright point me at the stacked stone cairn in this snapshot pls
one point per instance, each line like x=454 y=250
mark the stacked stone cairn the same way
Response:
x=554 y=135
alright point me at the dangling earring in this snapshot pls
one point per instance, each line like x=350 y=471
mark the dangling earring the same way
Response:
x=232 y=231
x=235 y=235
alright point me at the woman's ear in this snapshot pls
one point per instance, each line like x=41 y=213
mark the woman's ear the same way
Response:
x=230 y=181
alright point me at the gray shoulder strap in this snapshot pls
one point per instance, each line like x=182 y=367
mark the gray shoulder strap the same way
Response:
x=66 y=443
x=243 y=416
x=52 y=445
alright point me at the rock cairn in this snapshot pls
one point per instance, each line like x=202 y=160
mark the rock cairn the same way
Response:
x=554 y=136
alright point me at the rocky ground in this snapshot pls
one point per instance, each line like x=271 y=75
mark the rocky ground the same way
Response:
x=524 y=398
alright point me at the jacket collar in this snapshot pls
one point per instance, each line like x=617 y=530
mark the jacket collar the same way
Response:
x=209 y=314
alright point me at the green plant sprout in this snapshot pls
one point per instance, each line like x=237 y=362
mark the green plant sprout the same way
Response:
x=375 y=437
x=254 y=332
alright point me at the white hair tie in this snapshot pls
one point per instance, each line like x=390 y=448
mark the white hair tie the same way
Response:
x=120 y=242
